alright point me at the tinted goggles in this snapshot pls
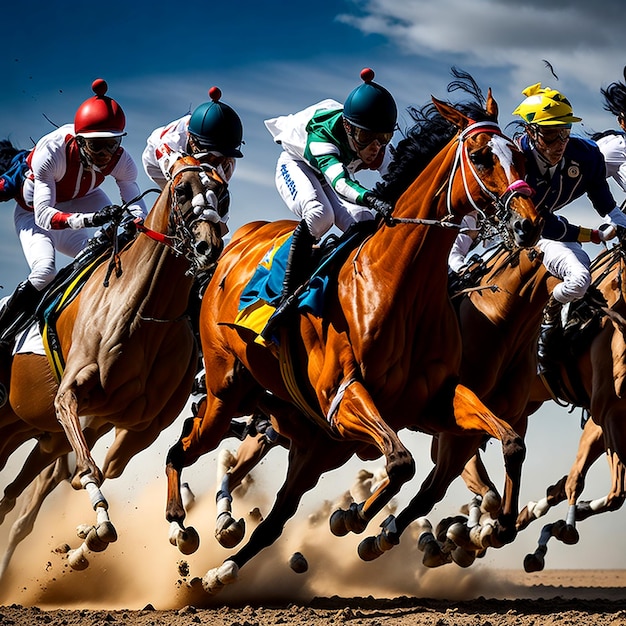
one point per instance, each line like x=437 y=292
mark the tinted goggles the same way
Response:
x=97 y=145
x=363 y=138
x=551 y=136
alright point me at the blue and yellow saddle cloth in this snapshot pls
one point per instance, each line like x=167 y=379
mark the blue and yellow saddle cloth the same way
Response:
x=262 y=294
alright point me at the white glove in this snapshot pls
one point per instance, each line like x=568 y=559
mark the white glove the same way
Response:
x=80 y=220
x=617 y=217
x=606 y=232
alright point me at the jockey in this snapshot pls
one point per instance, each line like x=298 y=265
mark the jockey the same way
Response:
x=561 y=168
x=323 y=147
x=60 y=196
x=612 y=143
x=212 y=134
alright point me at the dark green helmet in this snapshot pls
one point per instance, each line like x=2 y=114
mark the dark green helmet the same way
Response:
x=216 y=127
x=371 y=106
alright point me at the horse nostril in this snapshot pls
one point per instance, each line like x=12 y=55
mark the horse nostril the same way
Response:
x=523 y=227
x=202 y=247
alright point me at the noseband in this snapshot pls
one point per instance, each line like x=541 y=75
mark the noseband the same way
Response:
x=502 y=203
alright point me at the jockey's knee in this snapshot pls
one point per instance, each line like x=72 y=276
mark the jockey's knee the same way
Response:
x=41 y=275
x=572 y=288
x=318 y=217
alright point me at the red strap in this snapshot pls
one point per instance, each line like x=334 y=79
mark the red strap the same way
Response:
x=153 y=234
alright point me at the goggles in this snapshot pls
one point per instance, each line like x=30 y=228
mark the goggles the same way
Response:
x=363 y=138
x=97 y=145
x=549 y=137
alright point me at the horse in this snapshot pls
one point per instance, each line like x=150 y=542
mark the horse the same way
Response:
x=499 y=302
x=592 y=377
x=388 y=339
x=126 y=355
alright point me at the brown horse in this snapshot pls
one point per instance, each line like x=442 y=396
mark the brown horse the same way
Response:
x=128 y=349
x=385 y=355
x=593 y=378
x=499 y=314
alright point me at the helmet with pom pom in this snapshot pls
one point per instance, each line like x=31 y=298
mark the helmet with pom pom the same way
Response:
x=371 y=106
x=215 y=127
x=99 y=116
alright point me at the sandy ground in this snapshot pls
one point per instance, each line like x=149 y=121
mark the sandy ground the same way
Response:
x=563 y=597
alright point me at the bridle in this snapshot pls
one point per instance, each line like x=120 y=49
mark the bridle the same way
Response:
x=502 y=203
x=179 y=234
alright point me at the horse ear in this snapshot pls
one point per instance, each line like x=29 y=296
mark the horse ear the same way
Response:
x=492 y=105
x=457 y=118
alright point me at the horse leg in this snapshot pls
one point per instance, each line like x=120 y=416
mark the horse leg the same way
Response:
x=477 y=479
x=201 y=434
x=231 y=472
x=453 y=452
x=44 y=452
x=308 y=460
x=357 y=419
x=89 y=477
x=34 y=497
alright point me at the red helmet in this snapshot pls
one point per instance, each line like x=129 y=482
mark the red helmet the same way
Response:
x=99 y=116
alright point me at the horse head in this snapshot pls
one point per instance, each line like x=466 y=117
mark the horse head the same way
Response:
x=199 y=203
x=488 y=176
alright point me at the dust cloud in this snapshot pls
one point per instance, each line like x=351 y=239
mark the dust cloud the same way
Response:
x=142 y=567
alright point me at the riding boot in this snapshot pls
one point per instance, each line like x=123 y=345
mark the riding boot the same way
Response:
x=550 y=340
x=296 y=273
x=17 y=312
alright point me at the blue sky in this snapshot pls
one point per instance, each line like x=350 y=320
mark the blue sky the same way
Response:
x=272 y=58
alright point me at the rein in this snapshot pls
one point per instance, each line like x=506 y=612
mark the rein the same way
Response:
x=461 y=162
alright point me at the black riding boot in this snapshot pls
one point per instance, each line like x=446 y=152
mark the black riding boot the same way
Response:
x=550 y=340
x=297 y=271
x=17 y=312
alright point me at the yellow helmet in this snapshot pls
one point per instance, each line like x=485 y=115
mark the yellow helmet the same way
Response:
x=546 y=107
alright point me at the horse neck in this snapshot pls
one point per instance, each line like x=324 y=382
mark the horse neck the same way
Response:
x=416 y=244
x=159 y=285
x=522 y=288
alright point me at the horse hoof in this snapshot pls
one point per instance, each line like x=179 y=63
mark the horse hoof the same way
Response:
x=106 y=532
x=369 y=549
x=298 y=563
x=568 y=535
x=533 y=563
x=188 y=540
x=462 y=557
x=342 y=522
x=232 y=534
x=216 y=579
x=77 y=560
x=94 y=543
x=491 y=503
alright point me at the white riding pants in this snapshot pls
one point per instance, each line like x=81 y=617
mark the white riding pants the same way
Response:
x=39 y=245
x=569 y=262
x=314 y=200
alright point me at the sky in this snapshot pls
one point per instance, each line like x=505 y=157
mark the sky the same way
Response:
x=271 y=58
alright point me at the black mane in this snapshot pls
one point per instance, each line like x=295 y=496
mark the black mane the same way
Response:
x=7 y=152
x=428 y=136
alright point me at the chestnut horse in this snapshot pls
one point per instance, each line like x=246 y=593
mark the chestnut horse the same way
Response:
x=128 y=349
x=386 y=353
x=499 y=315
x=594 y=378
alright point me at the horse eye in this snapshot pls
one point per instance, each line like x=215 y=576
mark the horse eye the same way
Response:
x=181 y=193
x=482 y=157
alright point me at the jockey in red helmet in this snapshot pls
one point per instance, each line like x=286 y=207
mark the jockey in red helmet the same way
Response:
x=61 y=196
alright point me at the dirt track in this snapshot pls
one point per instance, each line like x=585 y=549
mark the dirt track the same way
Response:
x=563 y=597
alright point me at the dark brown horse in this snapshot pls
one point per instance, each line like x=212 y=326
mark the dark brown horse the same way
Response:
x=128 y=350
x=384 y=356
x=593 y=377
x=500 y=313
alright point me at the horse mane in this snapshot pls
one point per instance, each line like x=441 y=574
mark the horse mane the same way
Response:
x=614 y=102
x=7 y=152
x=427 y=137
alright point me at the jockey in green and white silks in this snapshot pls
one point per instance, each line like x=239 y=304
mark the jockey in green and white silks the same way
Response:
x=323 y=147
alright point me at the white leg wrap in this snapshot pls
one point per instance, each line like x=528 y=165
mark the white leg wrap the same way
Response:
x=571 y=515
